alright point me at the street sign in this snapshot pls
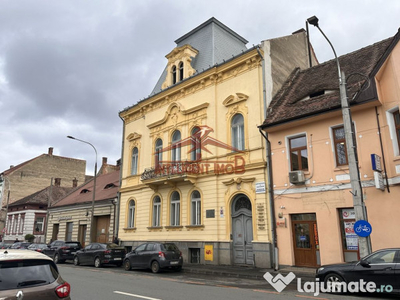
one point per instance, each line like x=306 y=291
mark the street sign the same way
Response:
x=376 y=162
x=362 y=228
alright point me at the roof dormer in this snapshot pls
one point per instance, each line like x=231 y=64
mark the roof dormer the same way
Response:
x=179 y=65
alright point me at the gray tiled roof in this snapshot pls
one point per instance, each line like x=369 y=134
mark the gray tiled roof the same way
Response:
x=215 y=43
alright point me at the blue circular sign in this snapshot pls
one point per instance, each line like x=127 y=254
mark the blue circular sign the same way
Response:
x=362 y=228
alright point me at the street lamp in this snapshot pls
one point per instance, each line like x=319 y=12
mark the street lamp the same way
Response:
x=4 y=178
x=358 y=203
x=92 y=233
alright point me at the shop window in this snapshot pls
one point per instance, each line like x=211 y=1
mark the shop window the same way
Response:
x=237 y=132
x=349 y=238
x=298 y=153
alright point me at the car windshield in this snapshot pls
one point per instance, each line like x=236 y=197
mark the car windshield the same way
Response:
x=23 y=273
x=169 y=247
x=73 y=244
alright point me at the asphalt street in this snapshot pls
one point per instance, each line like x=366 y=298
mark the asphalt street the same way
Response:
x=89 y=283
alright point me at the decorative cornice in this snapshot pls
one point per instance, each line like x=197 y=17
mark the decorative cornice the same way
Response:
x=239 y=180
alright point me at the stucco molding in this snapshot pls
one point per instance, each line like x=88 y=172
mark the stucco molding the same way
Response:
x=233 y=99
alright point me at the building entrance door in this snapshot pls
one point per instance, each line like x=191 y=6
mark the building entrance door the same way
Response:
x=242 y=230
x=305 y=240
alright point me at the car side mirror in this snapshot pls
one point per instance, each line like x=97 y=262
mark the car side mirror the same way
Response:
x=365 y=264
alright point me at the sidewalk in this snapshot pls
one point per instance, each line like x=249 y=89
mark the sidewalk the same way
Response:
x=247 y=272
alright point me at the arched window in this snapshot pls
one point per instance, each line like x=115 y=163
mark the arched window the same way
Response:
x=181 y=71
x=176 y=147
x=156 y=211
x=173 y=74
x=158 y=153
x=175 y=209
x=237 y=132
x=196 y=144
x=134 y=166
x=195 y=200
x=131 y=214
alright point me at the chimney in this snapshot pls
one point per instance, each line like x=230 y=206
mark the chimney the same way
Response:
x=57 y=181
x=51 y=152
x=104 y=161
x=74 y=182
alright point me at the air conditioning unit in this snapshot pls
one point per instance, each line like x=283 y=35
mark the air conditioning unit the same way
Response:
x=297 y=177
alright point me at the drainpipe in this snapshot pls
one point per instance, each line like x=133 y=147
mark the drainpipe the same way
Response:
x=383 y=154
x=48 y=206
x=274 y=254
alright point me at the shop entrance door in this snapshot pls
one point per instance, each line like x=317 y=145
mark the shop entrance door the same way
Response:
x=305 y=240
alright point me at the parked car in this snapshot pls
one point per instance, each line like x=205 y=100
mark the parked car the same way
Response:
x=381 y=267
x=37 y=247
x=4 y=245
x=154 y=256
x=20 y=245
x=61 y=251
x=30 y=275
x=98 y=254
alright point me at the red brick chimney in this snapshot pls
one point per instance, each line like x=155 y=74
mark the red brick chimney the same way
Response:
x=74 y=182
x=51 y=151
x=57 y=182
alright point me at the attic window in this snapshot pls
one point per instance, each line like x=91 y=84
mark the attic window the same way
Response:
x=173 y=74
x=316 y=94
x=109 y=186
x=177 y=73
x=180 y=71
x=84 y=191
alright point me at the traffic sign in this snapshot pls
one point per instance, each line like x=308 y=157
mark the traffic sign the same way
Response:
x=362 y=228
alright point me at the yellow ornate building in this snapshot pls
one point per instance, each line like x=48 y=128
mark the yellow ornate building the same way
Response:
x=193 y=158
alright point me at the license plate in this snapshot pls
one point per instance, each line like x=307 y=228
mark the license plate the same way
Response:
x=174 y=262
x=73 y=252
x=118 y=258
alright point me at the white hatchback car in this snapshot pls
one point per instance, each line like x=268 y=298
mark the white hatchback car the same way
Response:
x=30 y=275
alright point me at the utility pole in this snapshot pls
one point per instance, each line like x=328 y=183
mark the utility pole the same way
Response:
x=364 y=243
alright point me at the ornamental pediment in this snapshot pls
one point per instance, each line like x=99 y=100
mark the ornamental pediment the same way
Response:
x=233 y=99
x=133 y=136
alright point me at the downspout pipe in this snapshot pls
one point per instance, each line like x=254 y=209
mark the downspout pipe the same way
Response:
x=274 y=254
x=383 y=153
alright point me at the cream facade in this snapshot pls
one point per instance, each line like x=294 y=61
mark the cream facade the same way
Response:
x=193 y=160
x=312 y=192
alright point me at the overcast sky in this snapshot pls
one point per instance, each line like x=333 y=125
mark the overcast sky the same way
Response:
x=68 y=67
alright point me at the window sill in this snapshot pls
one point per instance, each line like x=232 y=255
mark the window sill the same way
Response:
x=179 y=227
x=341 y=168
x=396 y=158
x=155 y=228
x=129 y=229
x=194 y=226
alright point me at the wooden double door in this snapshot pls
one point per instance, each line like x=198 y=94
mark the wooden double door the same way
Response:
x=305 y=240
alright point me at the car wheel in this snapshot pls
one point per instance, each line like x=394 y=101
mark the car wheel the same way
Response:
x=332 y=282
x=76 y=261
x=155 y=267
x=127 y=265
x=97 y=262
x=56 y=259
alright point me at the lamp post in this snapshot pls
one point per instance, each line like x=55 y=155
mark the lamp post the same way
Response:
x=92 y=233
x=4 y=178
x=358 y=203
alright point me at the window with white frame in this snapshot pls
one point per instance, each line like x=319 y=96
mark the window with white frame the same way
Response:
x=396 y=118
x=21 y=224
x=135 y=156
x=339 y=143
x=196 y=144
x=175 y=209
x=39 y=224
x=156 y=211
x=158 y=153
x=176 y=147
x=131 y=214
x=195 y=208
x=298 y=153
x=15 y=224
x=237 y=132
x=68 y=231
